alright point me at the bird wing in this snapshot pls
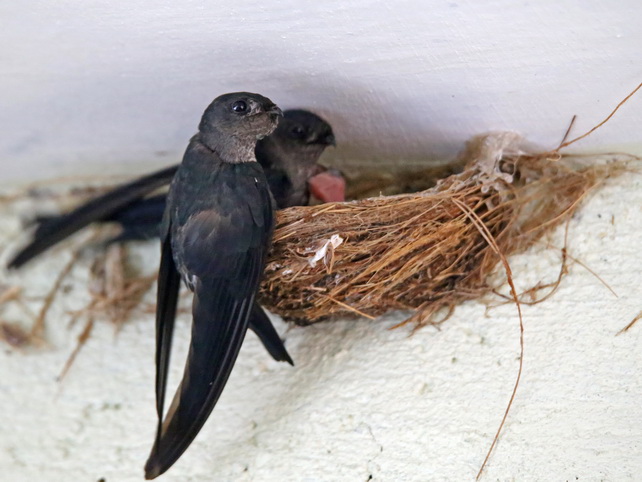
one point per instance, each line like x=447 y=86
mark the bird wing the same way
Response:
x=139 y=220
x=56 y=229
x=143 y=211
x=224 y=257
x=262 y=326
x=167 y=299
x=280 y=186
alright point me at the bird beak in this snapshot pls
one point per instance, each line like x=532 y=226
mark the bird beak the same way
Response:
x=326 y=140
x=274 y=111
x=330 y=140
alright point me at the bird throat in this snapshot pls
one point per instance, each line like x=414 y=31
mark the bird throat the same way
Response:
x=232 y=149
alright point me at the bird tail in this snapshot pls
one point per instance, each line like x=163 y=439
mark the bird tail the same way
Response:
x=221 y=317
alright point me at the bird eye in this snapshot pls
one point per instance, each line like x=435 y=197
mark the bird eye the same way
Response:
x=239 y=107
x=297 y=131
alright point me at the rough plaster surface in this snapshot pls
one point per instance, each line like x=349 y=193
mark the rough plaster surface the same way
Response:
x=363 y=402
x=89 y=85
x=86 y=84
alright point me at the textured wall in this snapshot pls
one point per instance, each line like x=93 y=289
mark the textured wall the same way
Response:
x=87 y=85
x=361 y=400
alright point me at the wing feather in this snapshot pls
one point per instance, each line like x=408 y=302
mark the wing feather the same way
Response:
x=61 y=227
x=167 y=299
x=221 y=316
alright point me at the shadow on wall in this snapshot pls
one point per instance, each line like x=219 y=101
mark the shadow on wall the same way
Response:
x=377 y=126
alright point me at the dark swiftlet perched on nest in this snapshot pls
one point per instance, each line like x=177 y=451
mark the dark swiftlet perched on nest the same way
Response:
x=422 y=251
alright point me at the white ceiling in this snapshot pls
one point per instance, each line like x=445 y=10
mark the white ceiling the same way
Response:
x=123 y=84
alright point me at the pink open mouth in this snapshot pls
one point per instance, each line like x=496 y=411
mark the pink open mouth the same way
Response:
x=329 y=186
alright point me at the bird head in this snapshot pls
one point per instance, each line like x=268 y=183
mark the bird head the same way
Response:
x=241 y=115
x=302 y=128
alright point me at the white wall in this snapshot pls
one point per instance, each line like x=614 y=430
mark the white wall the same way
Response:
x=90 y=87
x=361 y=400
x=86 y=85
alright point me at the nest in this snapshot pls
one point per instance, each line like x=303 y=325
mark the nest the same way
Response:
x=426 y=251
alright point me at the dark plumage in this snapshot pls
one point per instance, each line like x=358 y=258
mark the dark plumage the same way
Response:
x=215 y=235
x=53 y=230
x=289 y=158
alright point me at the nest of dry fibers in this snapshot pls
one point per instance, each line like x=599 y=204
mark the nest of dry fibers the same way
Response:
x=424 y=251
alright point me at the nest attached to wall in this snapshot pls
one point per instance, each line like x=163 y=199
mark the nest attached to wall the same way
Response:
x=425 y=251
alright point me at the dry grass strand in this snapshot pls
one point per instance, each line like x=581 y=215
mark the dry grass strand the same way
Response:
x=423 y=251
